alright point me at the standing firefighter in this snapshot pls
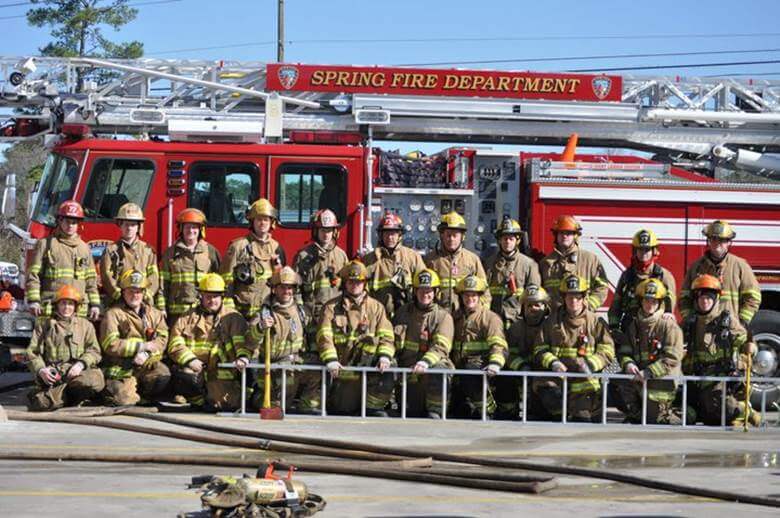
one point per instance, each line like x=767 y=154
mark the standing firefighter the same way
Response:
x=741 y=294
x=391 y=265
x=251 y=260
x=626 y=302
x=207 y=335
x=63 y=259
x=133 y=337
x=479 y=343
x=354 y=331
x=573 y=339
x=509 y=272
x=185 y=263
x=318 y=264
x=520 y=336
x=453 y=263
x=567 y=258
x=653 y=348
x=717 y=345
x=129 y=253
x=63 y=355
x=423 y=340
x=283 y=322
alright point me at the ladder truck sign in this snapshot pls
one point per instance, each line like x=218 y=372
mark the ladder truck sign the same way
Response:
x=442 y=82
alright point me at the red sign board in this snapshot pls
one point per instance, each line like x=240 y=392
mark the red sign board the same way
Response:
x=463 y=83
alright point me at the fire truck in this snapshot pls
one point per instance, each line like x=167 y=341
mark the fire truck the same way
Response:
x=674 y=154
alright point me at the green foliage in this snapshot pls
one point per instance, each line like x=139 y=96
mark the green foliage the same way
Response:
x=77 y=27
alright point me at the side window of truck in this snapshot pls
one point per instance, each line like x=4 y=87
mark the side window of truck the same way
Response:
x=303 y=189
x=114 y=182
x=223 y=191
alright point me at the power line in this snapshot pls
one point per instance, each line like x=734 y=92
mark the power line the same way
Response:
x=689 y=65
x=151 y=2
x=582 y=58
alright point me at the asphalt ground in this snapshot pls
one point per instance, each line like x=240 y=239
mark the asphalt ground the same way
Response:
x=730 y=460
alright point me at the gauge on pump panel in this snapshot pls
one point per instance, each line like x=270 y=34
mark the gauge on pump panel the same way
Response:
x=420 y=228
x=420 y=244
x=415 y=206
x=429 y=206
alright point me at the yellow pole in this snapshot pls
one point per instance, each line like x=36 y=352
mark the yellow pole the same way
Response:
x=748 y=409
x=267 y=373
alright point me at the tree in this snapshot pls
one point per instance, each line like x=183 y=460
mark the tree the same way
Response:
x=77 y=27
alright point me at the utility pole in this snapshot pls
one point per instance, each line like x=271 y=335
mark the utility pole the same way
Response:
x=280 y=32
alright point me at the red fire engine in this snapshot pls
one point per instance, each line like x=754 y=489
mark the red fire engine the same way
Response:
x=217 y=136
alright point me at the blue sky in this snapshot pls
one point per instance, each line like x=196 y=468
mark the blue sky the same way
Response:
x=471 y=31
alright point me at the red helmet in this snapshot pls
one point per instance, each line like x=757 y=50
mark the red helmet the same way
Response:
x=70 y=209
x=390 y=221
x=324 y=218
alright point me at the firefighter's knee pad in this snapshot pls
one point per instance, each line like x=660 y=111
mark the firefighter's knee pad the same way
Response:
x=154 y=380
x=122 y=392
x=90 y=383
x=44 y=400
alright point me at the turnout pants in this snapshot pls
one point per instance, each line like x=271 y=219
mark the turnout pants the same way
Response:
x=581 y=405
x=148 y=383
x=659 y=402
x=84 y=387
x=344 y=394
x=424 y=391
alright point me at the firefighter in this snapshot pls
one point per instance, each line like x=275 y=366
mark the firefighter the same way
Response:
x=133 y=336
x=625 y=303
x=318 y=264
x=207 y=335
x=392 y=265
x=251 y=260
x=63 y=356
x=573 y=339
x=129 y=253
x=63 y=259
x=479 y=343
x=535 y=304
x=285 y=321
x=741 y=293
x=423 y=340
x=653 y=348
x=354 y=331
x=717 y=343
x=568 y=258
x=453 y=263
x=185 y=263
x=509 y=272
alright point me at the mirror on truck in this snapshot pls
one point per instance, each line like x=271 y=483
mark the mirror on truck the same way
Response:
x=9 y=196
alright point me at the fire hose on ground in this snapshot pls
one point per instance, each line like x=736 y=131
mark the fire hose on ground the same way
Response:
x=349 y=449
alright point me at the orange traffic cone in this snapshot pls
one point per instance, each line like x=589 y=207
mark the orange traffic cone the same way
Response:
x=571 y=148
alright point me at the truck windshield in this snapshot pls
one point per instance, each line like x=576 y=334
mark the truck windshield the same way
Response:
x=57 y=184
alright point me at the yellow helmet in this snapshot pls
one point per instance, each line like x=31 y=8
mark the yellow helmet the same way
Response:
x=472 y=283
x=651 y=289
x=573 y=283
x=426 y=278
x=453 y=221
x=212 y=283
x=261 y=207
x=534 y=294
x=133 y=279
x=354 y=270
x=130 y=212
x=719 y=229
x=644 y=238
x=286 y=276
x=508 y=226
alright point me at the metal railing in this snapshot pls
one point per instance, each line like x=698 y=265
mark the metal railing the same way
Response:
x=604 y=377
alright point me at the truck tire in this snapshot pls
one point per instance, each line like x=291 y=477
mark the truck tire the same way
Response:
x=766 y=333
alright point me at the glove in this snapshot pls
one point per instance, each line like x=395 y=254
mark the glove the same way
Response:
x=47 y=374
x=75 y=371
x=333 y=368
x=492 y=369
x=558 y=366
x=140 y=358
x=631 y=368
x=195 y=365
x=35 y=308
x=669 y=316
x=750 y=348
x=383 y=364
x=241 y=363
x=94 y=313
x=420 y=367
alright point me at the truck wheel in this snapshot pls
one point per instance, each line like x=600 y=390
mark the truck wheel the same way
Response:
x=766 y=333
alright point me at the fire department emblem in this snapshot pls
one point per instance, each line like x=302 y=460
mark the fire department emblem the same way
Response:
x=288 y=76
x=425 y=279
x=651 y=289
x=602 y=85
x=644 y=238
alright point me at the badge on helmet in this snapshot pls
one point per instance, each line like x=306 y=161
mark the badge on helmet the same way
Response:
x=132 y=279
x=471 y=283
x=573 y=283
x=212 y=283
x=651 y=289
x=286 y=276
x=426 y=279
